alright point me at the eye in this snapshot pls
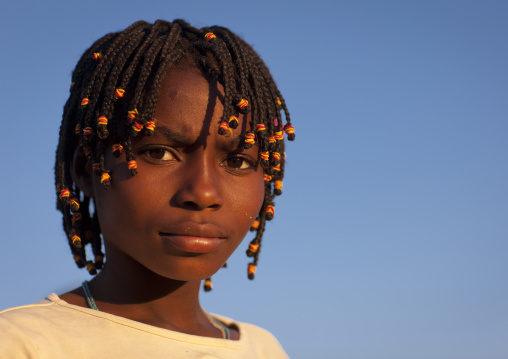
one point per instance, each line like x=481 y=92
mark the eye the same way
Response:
x=239 y=162
x=158 y=154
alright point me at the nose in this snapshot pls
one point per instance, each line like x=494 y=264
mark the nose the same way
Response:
x=199 y=188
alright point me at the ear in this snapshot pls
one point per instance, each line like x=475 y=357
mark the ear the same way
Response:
x=81 y=172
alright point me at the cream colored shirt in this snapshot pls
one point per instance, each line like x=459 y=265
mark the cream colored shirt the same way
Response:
x=56 y=329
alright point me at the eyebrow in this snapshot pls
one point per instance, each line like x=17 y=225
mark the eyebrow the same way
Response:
x=177 y=138
x=181 y=139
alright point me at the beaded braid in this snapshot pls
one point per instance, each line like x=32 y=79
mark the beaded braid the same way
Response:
x=113 y=98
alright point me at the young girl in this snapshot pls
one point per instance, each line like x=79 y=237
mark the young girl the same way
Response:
x=171 y=149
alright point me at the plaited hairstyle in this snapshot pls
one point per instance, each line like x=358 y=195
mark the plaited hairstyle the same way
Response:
x=113 y=98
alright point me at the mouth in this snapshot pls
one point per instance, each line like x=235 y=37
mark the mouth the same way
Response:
x=192 y=244
x=193 y=237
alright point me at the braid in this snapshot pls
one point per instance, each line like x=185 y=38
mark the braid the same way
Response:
x=113 y=97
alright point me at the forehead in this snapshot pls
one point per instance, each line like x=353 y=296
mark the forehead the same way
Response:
x=190 y=106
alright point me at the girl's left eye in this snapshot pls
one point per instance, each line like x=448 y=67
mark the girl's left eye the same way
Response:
x=239 y=163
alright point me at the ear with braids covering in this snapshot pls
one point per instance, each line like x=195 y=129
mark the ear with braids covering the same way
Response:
x=113 y=97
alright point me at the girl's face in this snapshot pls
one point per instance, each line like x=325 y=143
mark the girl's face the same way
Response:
x=196 y=193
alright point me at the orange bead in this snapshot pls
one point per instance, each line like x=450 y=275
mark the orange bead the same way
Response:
x=137 y=127
x=65 y=193
x=119 y=93
x=209 y=36
x=253 y=247
x=102 y=121
x=133 y=114
x=255 y=224
x=117 y=147
x=242 y=104
x=150 y=125
x=250 y=138
x=105 y=177
x=132 y=165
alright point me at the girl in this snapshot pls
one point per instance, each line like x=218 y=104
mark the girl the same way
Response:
x=171 y=149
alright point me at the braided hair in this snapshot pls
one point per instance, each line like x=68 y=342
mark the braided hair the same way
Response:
x=113 y=98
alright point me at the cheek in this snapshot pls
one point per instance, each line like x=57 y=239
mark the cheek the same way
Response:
x=248 y=204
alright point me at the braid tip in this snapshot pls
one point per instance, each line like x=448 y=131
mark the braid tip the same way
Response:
x=207 y=286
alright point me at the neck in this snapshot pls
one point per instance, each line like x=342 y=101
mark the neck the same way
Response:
x=137 y=293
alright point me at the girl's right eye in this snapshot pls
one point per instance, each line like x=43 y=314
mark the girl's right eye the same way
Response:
x=159 y=154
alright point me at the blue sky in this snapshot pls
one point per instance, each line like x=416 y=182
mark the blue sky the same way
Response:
x=390 y=240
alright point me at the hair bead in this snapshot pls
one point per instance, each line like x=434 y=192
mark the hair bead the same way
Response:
x=255 y=224
x=87 y=151
x=275 y=158
x=253 y=248
x=290 y=130
x=76 y=241
x=210 y=36
x=260 y=127
x=277 y=187
x=97 y=56
x=102 y=130
x=243 y=106
x=117 y=149
x=250 y=139
x=276 y=167
x=102 y=121
x=74 y=205
x=270 y=212
x=90 y=267
x=267 y=177
x=88 y=131
x=77 y=129
x=207 y=286
x=133 y=167
x=264 y=156
x=119 y=93
x=279 y=101
x=279 y=136
x=137 y=127
x=105 y=178
x=251 y=270
x=150 y=127
x=64 y=194
x=233 y=122
x=223 y=128
x=85 y=101
x=242 y=103
x=132 y=114
x=271 y=139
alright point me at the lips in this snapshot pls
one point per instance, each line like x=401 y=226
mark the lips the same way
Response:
x=193 y=237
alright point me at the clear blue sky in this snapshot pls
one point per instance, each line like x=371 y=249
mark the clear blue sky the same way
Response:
x=390 y=240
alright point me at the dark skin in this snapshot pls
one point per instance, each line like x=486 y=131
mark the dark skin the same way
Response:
x=179 y=219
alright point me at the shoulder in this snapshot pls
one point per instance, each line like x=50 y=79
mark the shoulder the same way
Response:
x=257 y=339
x=19 y=325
